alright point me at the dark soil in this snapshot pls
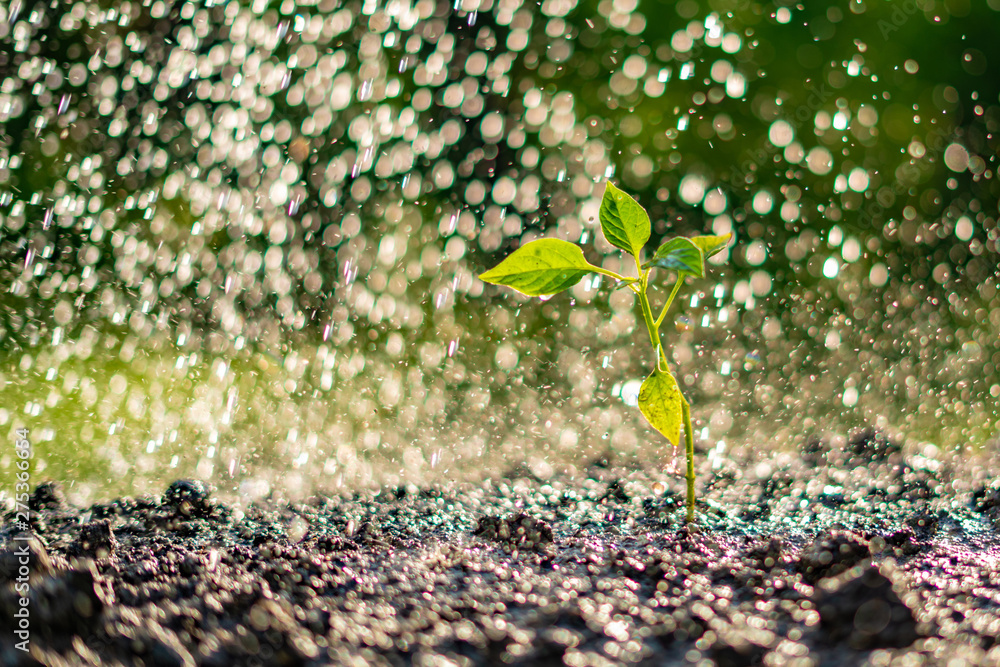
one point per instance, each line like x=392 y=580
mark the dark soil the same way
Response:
x=851 y=555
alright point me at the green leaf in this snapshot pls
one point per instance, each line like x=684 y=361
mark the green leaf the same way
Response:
x=712 y=245
x=545 y=266
x=660 y=403
x=624 y=222
x=681 y=255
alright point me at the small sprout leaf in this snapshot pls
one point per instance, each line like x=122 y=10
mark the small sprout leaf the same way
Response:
x=624 y=222
x=711 y=245
x=660 y=403
x=681 y=255
x=545 y=266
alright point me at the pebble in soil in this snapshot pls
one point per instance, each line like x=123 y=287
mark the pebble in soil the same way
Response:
x=852 y=555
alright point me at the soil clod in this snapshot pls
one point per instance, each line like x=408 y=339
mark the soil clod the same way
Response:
x=47 y=496
x=188 y=498
x=97 y=540
x=519 y=531
x=861 y=608
x=869 y=445
x=832 y=553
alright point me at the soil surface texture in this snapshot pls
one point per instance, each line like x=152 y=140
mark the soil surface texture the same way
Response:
x=855 y=553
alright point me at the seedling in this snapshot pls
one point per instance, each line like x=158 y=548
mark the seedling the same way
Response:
x=549 y=266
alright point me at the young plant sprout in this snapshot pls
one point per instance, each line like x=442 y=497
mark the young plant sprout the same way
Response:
x=549 y=266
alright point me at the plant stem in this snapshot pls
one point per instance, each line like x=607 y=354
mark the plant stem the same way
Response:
x=689 y=442
x=617 y=276
x=653 y=327
x=670 y=299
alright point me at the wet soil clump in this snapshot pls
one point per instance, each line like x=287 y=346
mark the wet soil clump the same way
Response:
x=845 y=555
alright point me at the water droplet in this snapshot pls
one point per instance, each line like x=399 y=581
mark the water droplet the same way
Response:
x=831 y=267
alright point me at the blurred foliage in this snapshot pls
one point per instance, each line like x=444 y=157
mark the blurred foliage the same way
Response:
x=235 y=176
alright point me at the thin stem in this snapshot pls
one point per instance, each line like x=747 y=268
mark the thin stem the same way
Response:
x=689 y=442
x=653 y=327
x=670 y=299
x=617 y=276
x=647 y=315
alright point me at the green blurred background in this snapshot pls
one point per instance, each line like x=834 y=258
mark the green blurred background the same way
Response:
x=239 y=241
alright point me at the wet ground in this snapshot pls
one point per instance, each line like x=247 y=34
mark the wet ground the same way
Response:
x=856 y=552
